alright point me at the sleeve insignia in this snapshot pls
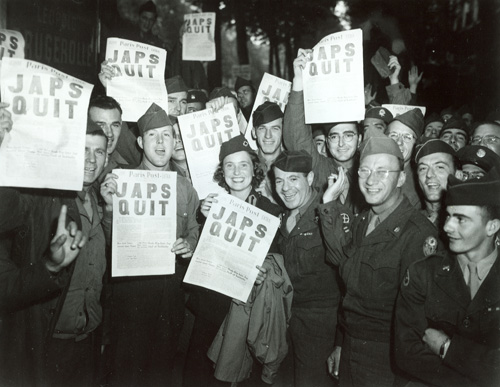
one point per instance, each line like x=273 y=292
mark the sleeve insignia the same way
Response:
x=430 y=246
x=345 y=218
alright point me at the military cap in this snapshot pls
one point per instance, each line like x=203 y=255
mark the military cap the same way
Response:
x=267 y=112
x=175 y=85
x=433 y=117
x=414 y=119
x=379 y=112
x=376 y=142
x=148 y=6
x=93 y=128
x=240 y=82
x=448 y=110
x=433 y=146
x=466 y=193
x=196 y=96
x=479 y=155
x=455 y=123
x=294 y=161
x=155 y=117
x=233 y=145
x=221 y=92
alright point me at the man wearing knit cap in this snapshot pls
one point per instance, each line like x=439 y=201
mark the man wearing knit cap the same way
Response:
x=267 y=130
x=246 y=95
x=177 y=96
x=196 y=101
x=316 y=292
x=487 y=134
x=377 y=118
x=476 y=161
x=147 y=313
x=372 y=251
x=435 y=161
x=432 y=127
x=406 y=129
x=447 y=313
x=455 y=133
x=52 y=264
x=342 y=140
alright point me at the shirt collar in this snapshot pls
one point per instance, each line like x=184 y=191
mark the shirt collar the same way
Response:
x=483 y=266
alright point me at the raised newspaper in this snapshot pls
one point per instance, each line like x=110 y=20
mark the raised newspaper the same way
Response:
x=49 y=114
x=272 y=89
x=236 y=237
x=139 y=76
x=198 y=41
x=203 y=133
x=11 y=44
x=397 y=110
x=333 y=79
x=144 y=223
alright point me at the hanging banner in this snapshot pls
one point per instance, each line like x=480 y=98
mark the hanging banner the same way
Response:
x=202 y=134
x=144 y=223
x=139 y=76
x=272 y=89
x=333 y=79
x=49 y=114
x=236 y=237
x=198 y=40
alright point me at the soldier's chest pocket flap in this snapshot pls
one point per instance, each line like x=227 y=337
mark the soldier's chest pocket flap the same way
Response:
x=380 y=274
x=310 y=253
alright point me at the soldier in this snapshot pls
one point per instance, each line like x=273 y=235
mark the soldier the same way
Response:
x=447 y=314
x=372 y=251
x=455 y=133
x=377 y=118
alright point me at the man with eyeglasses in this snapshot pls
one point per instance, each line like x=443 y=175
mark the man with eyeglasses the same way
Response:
x=487 y=134
x=476 y=161
x=342 y=141
x=455 y=133
x=435 y=161
x=406 y=129
x=372 y=251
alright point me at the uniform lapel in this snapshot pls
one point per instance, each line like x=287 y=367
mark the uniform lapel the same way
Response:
x=450 y=279
x=489 y=291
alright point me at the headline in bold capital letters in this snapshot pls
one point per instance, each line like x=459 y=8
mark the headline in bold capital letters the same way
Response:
x=198 y=41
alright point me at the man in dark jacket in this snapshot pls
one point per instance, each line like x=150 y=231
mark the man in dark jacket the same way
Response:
x=50 y=282
x=316 y=292
x=372 y=251
x=448 y=310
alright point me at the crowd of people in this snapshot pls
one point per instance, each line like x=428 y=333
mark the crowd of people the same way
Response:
x=383 y=272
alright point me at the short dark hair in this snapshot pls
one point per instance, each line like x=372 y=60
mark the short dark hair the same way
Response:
x=491 y=212
x=105 y=102
x=257 y=171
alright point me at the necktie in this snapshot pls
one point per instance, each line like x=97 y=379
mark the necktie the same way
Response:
x=291 y=221
x=374 y=222
x=87 y=205
x=473 y=279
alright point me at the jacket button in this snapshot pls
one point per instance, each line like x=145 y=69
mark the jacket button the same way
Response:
x=466 y=322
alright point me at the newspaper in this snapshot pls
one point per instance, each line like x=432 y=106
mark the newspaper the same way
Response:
x=140 y=76
x=144 y=223
x=333 y=79
x=198 y=39
x=49 y=114
x=397 y=110
x=236 y=237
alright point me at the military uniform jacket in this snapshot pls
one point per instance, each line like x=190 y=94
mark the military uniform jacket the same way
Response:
x=434 y=295
x=314 y=280
x=373 y=266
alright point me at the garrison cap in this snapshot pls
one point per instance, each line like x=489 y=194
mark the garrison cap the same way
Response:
x=175 y=85
x=267 y=112
x=414 y=119
x=479 y=155
x=196 y=96
x=376 y=142
x=155 y=117
x=236 y=144
x=466 y=193
x=455 y=123
x=294 y=161
x=433 y=117
x=379 y=112
x=240 y=82
x=148 y=6
x=221 y=92
x=433 y=146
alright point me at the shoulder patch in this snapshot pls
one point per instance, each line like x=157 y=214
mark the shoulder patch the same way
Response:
x=406 y=280
x=430 y=246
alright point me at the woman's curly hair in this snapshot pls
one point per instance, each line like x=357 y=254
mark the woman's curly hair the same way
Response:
x=258 y=173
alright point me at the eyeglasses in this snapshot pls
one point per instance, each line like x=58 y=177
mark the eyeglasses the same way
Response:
x=407 y=137
x=346 y=137
x=471 y=175
x=380 y=174
x=488 y=139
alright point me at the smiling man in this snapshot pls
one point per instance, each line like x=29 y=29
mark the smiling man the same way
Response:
x=435 y=161
x=455 y=133
x=372 y=252
x=316 y=291
x=447 y=314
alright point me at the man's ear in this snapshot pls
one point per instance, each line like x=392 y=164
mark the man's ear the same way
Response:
x=139 y=142
x=401 y=179
x=492 y=227
x=254 y=135
x=310 y=178
x=360 y=139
